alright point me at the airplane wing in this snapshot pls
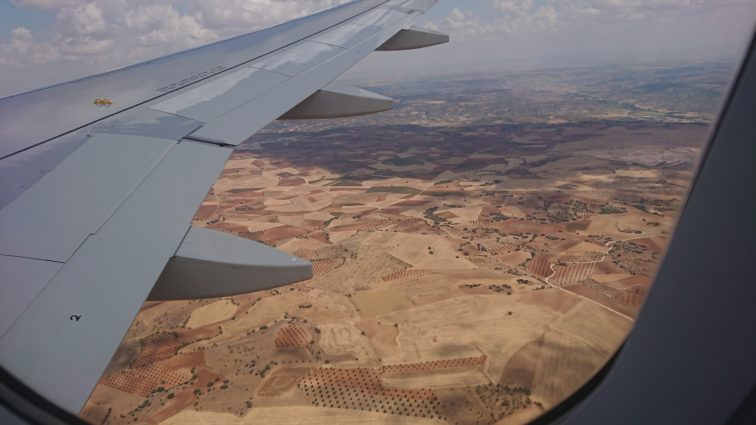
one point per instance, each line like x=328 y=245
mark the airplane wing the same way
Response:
x=100 y=178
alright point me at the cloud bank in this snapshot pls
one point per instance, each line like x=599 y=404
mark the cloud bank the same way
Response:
x=92 y=36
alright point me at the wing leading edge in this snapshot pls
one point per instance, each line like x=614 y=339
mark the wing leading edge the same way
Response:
x=97 y=205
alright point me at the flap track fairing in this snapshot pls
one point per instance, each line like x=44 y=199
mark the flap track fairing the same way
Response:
x=339 y=101
x=414 y=38
x=211 y=264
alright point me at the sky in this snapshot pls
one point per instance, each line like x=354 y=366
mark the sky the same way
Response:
x=43 y=42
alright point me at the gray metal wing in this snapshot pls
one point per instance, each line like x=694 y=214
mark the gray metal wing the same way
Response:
x=100 y=177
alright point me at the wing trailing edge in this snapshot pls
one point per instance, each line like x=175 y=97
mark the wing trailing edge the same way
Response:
x=100 y=197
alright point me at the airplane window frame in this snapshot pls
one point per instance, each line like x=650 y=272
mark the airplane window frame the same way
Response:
x=730 y=135
x=25 y=405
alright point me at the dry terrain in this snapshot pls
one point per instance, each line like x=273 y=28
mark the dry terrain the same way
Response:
x=465 y=273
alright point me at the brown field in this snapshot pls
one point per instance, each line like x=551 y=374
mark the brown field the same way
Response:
x=216 y=312
x=290 y=336
x=294 y=415
x=373 y=303
x=457 y=280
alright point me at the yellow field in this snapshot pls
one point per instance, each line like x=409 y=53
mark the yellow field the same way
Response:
x=373 y=303
x=218 y=311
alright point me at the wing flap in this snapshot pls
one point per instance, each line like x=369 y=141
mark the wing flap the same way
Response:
x=51 y=219
x=24 y=278
x=126 y=183
x=63 y=341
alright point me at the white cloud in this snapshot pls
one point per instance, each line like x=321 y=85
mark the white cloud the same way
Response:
x=45 y=4
x=163 y=25
x=21 y=39
x=142 y=29
x=512 y=15
x=465 y=23
x=545 y=16
x=79 y=46
x=94 y=35
x=230 y=17
x=637 y=9
x=22 y=50
x=81 y=19
x=513 y=7
x=531 y=15
x=516 y=14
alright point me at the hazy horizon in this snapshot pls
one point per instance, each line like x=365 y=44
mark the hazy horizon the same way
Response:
x=43 y=42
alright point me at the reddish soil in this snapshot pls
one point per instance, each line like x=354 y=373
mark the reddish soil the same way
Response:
x=205 y=211
x=142 y=381
x=292 y=336
x=280 y=233
x=157 y=347
x=411 y=203
x=292 y=181
x=433 y=366
x=540 y=266
x=572 y=273
x=553 y=300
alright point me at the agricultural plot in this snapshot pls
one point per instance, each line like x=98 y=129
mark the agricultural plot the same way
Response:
x=470 y=273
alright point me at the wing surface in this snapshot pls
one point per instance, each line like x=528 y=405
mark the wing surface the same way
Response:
x=100 y=178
